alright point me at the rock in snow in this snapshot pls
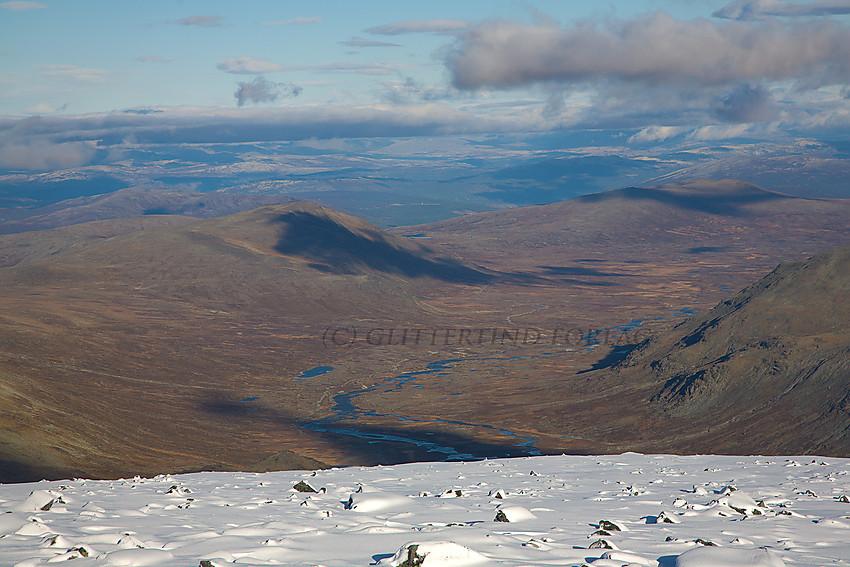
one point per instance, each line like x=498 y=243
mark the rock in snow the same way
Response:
x=573 y=511
x=434 y=554
x=513 y=514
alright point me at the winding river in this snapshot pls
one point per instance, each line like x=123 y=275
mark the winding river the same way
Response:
x=389 y=446
x=345 y=409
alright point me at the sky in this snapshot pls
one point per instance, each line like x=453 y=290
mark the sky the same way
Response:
x=106 y=72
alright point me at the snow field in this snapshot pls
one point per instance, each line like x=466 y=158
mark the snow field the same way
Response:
x=610 y=511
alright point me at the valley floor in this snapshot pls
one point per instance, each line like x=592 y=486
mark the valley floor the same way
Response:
x=628 y=509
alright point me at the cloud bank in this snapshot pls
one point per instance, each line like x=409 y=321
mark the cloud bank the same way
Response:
x=653 y=50
x=214 y=125
x=51 y=142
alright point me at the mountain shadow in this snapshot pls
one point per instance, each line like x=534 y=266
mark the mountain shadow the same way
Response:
x=718 y=197
x=14 y=469
x=370 y=444
x=334 y=248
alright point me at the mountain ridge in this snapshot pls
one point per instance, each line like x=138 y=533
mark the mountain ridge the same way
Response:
x=758 y=367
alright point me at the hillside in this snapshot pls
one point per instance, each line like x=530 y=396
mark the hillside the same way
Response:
x=131 y=352
x=293 y=332
x=686 y=220
x=35 y=246
x=764 y=372
x=639 y=253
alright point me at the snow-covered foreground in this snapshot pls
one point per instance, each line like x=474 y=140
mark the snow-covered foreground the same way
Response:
x=650 y=510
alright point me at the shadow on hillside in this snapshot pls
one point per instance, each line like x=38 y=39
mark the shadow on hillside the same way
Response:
x=617 y=355
x=706 y=249
x=370 y=445
x=334 y=248
x=718 y=203
x=16 y=471
x=583 y=271
x=554 y=271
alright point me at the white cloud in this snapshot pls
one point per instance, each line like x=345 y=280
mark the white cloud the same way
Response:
x=720 y=132
x=75 y=73
x=655 y=134
x=420 y=26
x=21 y=6
x=299 y=21
x=654 y=49
x=760 y=9
x=407 y=90
x=41 y=155
x=358 y=68
x=202 y=21
x=360 y=42
x=44 y=108
x=248 y=66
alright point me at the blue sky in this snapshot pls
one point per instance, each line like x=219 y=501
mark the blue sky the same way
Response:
x=84 y=56
x=101 y=71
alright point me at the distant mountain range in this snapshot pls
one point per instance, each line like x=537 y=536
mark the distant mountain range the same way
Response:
x=132 y=202
x=397 y=182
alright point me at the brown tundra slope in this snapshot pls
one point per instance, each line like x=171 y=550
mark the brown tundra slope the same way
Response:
x=764 y=372
x=162 y=343
x=135 y=346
